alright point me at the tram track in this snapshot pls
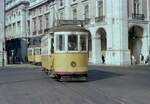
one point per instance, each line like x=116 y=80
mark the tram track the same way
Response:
x=90 y=99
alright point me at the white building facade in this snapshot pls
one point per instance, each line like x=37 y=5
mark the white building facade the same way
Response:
x=119 y=28
x=2 y=40
x=16 y=30
x=39 y=20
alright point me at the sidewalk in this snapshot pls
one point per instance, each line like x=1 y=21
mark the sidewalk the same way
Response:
x=22 y=65
x=108 y=65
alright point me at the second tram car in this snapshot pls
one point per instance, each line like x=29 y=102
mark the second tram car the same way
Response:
x=37 y=55
x=65 y=52
x=34 y=54
x=30 y=54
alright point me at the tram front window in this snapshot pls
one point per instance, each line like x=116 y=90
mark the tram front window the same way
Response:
x=60 y=43
x=72 y=42
x=83 y=42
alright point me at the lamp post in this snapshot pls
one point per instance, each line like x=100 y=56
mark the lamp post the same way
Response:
x=4 y=37
x=3 y=58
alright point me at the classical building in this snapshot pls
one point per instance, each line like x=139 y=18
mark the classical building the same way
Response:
x=39 y=20
x=2 y=52
x=16 y=30
x=139 y=28
x=119 y=29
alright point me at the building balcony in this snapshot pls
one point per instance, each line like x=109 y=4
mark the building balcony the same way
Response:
x=46 y=30
x=13 y=4
x=40 y=31
x=73 y=22
x=86 y=21
x=138 y=16
x=34 y=33
x=99 y=19
x=69 y=22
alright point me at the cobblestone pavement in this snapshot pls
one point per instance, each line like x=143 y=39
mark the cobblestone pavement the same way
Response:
x=27 y=84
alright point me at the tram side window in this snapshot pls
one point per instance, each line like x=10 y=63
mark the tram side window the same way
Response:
x=60 y=43
x=52 y=46
x=83 y=42
x=73 y=42
x=38 y=51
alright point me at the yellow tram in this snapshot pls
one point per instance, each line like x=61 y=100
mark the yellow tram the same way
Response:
x=64 y=52
x=34 y=54
x=37 y=55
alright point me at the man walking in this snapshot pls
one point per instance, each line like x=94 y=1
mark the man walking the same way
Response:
x=103 y=59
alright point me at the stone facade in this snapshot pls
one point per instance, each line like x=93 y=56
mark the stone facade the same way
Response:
x=16 y=30
x=2 y=52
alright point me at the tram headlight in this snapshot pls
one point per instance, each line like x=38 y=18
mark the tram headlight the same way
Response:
x=73 y=64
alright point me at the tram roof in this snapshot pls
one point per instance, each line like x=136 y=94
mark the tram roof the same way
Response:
x=37 y=45
x=68 y=28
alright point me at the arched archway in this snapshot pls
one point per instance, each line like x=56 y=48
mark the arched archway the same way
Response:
x=103 y=41
x=135 y=42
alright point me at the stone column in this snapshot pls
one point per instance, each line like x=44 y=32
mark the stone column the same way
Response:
x=23 y=22
x=148 y=11
x=67 y=10
x=23 y=43
x=145 y=42
x=96 y=47
x=117 y=26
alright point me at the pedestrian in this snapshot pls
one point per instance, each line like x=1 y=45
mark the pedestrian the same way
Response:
x=103 y=59
x=147 y=60
x=142 y=58
x=133 y=60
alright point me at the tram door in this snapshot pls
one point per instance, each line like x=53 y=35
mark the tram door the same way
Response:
x=51 y=56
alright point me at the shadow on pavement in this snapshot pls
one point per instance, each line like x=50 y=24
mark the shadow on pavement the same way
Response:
x=94 y=75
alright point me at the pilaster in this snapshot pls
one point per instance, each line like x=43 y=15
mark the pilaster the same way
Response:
x=96 y=47
x=117 y=49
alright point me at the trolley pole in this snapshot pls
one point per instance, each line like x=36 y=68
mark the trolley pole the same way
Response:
x=3 y=60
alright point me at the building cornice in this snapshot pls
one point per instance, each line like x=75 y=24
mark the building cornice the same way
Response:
x=16 y=4
x=39 y=4
x=138 y=21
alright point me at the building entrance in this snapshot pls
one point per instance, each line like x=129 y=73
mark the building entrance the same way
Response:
x=135 y=43
x=16 y=51
x=103 y=43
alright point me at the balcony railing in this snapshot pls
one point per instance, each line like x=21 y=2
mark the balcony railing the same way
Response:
x=86 y=21
x=46 y=30
x=99 y=19
x=69 y=22
x=40 y=31
x=34 y=33
x=138 y=16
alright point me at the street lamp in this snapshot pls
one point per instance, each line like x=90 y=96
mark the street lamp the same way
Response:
x=4 y=32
